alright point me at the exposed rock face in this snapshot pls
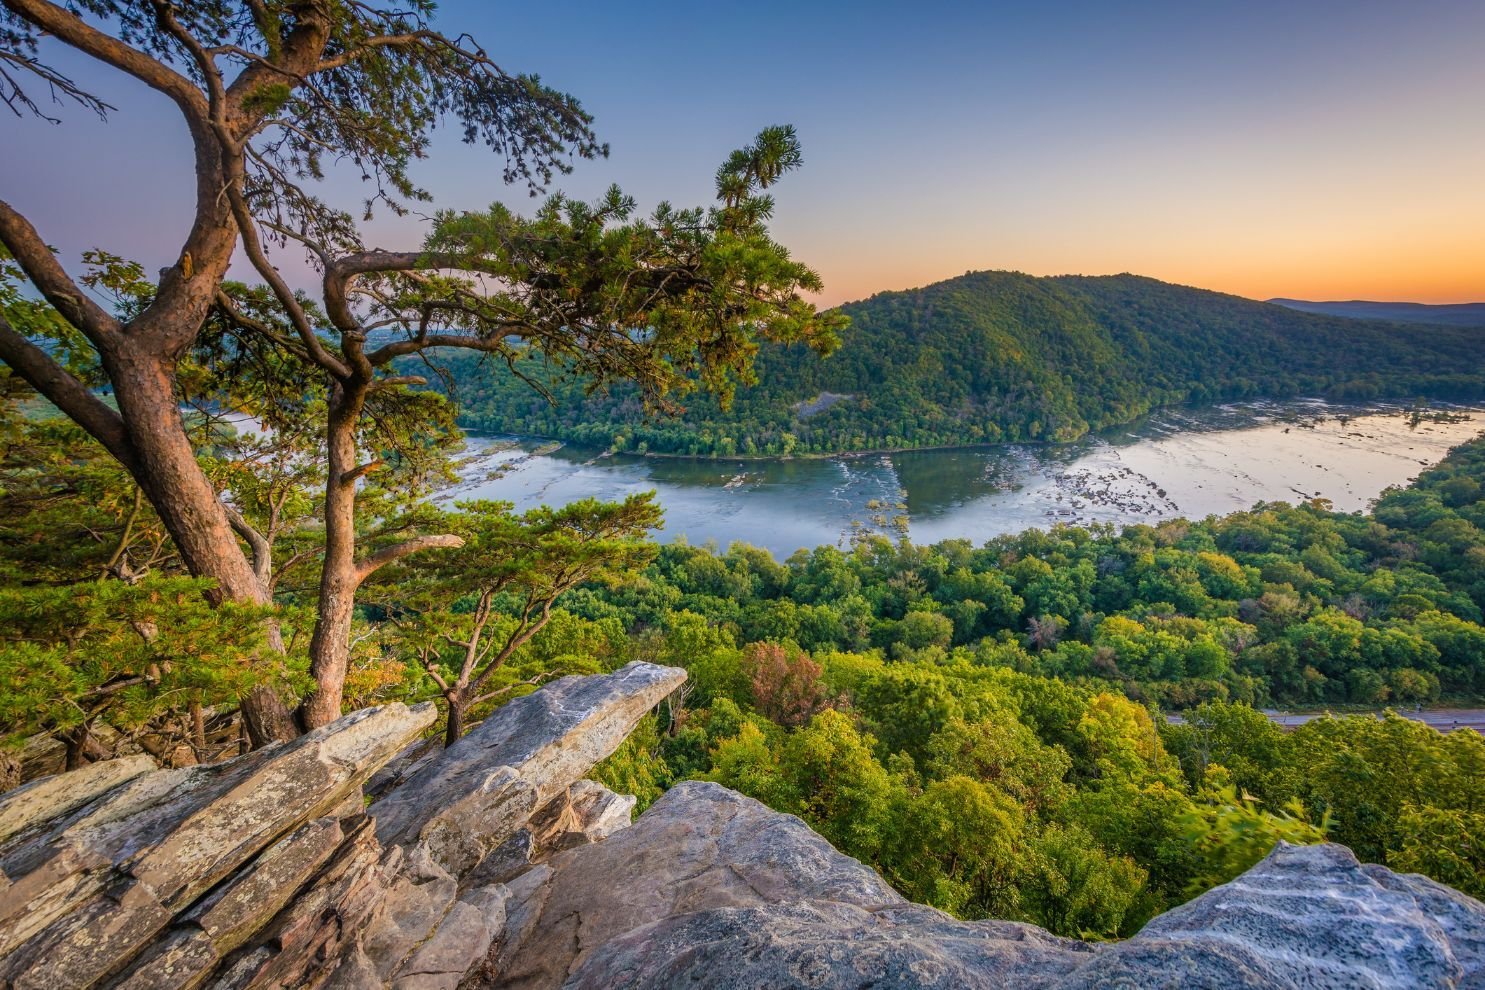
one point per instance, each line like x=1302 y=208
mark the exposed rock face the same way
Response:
x=710 y=888
x=713 y=887
x=492 y=864
x=477 y=813
x=266 y=870
x=478 y=792
x=1307 y=916
x=47 y=798
x=90 y=890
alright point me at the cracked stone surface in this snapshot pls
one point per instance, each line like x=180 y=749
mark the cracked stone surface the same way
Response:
x=628 y=908
x=90 y=889
x=47 y=798
x=1311 y=917
x=462 y=939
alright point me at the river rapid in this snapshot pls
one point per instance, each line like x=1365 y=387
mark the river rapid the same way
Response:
x=1188 y=462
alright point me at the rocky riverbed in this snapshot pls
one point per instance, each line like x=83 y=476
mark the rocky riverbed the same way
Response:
x=1178 y=463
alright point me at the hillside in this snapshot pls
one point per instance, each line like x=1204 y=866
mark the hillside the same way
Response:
x=1001 y=356
x=1453 y=314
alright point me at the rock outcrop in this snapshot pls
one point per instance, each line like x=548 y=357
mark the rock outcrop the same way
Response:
x=88 y=891
x=268 y=871
x=711 y=888
x=468 y=799
x=478 y=813
x=494 y=864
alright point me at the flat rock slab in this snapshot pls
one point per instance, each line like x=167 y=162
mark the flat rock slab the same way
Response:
x=48 y=797
x=473 y=796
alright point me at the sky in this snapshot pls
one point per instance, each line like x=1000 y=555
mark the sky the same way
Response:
x=1311 y=149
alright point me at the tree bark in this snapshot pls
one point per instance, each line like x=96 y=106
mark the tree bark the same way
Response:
x=172 y=478
x=329 y=647
x=147 y=435
x=167 y=471
x=76 y=741
x=455 y=727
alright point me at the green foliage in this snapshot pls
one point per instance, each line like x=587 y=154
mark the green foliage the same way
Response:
x=1231 y=833
x=959 y=846
x=660 y=305
x=830 y=765
x=467 y=613
x=747 y=762
x=1444 y=844
x=1365 y=774
x=1077 y=887
x=110 y=652
x=68 y=511
x=1004 y=751
x=637 y=766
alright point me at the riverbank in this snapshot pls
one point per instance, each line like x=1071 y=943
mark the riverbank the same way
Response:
x=1432 y=412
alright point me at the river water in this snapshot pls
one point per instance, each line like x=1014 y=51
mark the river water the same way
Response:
x=1185 y=462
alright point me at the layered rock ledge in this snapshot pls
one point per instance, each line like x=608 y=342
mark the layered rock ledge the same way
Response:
x=365 y=855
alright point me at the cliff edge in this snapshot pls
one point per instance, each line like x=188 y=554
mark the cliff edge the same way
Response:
x=494 y=864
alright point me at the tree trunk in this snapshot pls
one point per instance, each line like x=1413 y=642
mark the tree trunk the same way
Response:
x=455 y=728
x=188 y=506
x=329 y=647
x=76 y=741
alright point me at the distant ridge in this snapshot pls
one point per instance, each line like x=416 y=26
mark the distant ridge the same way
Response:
x=994 y=357
x=1449 y=314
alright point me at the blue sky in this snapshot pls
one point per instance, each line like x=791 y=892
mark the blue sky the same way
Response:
x=1310 y=149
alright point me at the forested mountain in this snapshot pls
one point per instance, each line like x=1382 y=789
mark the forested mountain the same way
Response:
x=1001 y=356
x=1450 y=314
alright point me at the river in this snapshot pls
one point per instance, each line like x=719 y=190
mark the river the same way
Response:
x=1184 y=462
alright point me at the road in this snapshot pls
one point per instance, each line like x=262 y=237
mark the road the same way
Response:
x=1443 y=719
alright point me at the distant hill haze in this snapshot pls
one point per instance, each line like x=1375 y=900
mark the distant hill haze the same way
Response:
x=1004 y=357
x=1448 y=314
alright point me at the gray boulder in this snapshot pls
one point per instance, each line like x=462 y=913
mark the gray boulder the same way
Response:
x=1306 y=917
x=711 y=888
x=484 y=809
x=714 y=887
